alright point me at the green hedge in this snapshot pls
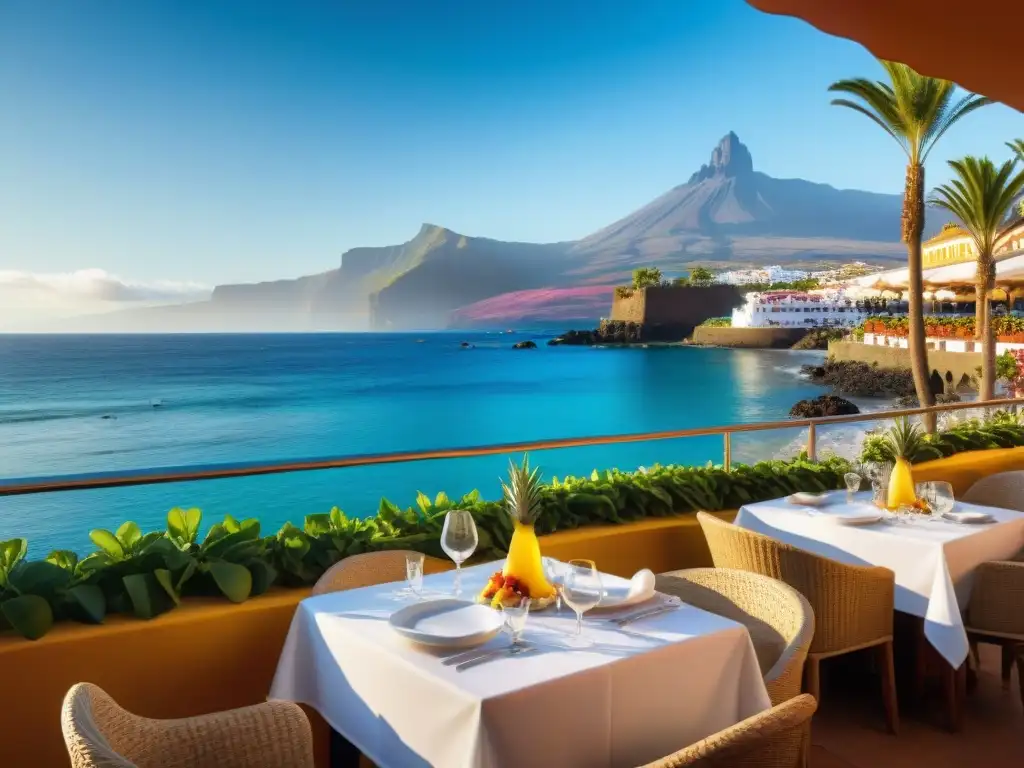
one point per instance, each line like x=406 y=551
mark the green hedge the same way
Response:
x=146 y=574
x=1000 y=430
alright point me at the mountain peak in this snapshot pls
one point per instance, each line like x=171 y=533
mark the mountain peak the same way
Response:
x=730 y=158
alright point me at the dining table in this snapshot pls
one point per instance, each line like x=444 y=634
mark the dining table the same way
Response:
x=623 y=695
x=932 y=557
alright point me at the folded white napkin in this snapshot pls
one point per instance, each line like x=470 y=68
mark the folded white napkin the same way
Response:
x=968 y=516
x=642 y=583
x=619 y=592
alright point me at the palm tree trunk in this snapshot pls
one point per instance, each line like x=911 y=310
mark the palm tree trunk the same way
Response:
x=982 y=288
x=913 y=225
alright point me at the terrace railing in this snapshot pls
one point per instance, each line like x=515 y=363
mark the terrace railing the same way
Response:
x=152 y=476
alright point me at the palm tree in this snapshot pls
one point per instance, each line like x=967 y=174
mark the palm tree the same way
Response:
x=1017 y=145
x=982 y=196
x=916 y=111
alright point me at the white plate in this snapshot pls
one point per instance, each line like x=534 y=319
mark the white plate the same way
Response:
x=969 y=517
x=808 y=499
x=447 y=623
x=849 y=518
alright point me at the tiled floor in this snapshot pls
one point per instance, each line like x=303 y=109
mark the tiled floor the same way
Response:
x=849 y=730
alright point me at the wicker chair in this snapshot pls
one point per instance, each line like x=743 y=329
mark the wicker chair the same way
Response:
x=853 y=605
x=779 y=619
x=995 y=613
x=99 y=734
x=371 y=568
x=1005 y=489
x=770 y=739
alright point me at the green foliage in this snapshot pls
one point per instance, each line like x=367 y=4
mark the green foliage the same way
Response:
x=147 y=574
x=1001 y=430
x=646 y=277
x=717 y=322
x=805 y=284
x=1006 y=367
x=701 y=276
x=623 y=291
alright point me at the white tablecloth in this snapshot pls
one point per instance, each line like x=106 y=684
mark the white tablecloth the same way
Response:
x=933 y=561
x=634 y=696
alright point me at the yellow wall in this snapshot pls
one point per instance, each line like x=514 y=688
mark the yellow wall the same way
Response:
x=210 y=655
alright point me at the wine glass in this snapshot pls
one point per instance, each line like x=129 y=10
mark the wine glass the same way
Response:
x=554 y=572
x=581 y=590
x=852 y=480
x=414 y=573
x=515 y=618
x=459 y=540
x=941 y=499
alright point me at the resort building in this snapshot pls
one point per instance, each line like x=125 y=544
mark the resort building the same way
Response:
x=795 y=309
x=773 y=274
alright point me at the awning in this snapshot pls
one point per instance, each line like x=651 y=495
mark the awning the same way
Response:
x=1009 y=272
x=931 y=38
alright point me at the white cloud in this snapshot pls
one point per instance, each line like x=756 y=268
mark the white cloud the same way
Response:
x=31 y=297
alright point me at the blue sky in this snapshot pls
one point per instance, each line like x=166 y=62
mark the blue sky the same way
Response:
x=177 y=145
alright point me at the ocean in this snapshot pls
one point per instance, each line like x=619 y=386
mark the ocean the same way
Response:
x=74 y=404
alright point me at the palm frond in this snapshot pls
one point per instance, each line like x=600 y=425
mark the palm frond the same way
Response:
x=914 y=109
x=1017 y=146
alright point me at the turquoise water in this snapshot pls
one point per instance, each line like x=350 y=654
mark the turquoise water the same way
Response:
x=234 y=398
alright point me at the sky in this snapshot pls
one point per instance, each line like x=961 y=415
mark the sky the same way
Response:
x=150 y=149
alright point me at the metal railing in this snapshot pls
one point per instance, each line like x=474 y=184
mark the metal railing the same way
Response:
x=153 y=476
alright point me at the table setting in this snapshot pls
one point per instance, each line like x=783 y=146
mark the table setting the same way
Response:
x=526 y=661
x=930 y=540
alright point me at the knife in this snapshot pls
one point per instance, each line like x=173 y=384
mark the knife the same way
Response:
x=474 y=653
x=645 y=614
x=515 y=650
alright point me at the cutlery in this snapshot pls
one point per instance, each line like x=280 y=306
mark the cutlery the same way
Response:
x=626 y=620
x=462 y=656
x=515 y=650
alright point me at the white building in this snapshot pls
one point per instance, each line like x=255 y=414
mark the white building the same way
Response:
x=794 y=309
x=773 y=274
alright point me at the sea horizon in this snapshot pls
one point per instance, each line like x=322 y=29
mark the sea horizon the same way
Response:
x=80 y=404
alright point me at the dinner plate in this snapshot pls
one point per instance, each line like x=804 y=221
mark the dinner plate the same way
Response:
x=866 y=517
x=808 y=499
x=447 y=623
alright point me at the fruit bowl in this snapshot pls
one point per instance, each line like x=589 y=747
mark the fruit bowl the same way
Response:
x=510 y=591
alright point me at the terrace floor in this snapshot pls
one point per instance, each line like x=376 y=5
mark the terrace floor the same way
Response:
x=849 y=732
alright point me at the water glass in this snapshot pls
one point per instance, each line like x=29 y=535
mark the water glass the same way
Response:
x=515 y=618
x=414 y=572
x=459 y=540
x=581 y=590
x=941 y=498
x=852 y=480
x=554 y=572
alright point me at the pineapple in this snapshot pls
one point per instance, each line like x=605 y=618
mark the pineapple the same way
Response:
x=523 y=502
x=903 y=441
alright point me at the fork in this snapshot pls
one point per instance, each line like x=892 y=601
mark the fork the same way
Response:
x=514 y=650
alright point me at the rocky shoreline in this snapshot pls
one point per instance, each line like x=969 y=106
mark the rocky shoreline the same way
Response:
x=860 y=379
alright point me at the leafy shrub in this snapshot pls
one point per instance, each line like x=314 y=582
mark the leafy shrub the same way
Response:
x=1001 y=430
x=717 y=322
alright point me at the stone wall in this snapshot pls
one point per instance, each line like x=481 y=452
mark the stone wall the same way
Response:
x=676 y=305
x=948 y=370
x=749 y=338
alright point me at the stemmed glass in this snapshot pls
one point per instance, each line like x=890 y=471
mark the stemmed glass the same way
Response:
x=515 y=618
x=459 y=540
x=852 y=480
x=554 y=572
x=940 y=498
x=581 y=590
x=414 y=573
